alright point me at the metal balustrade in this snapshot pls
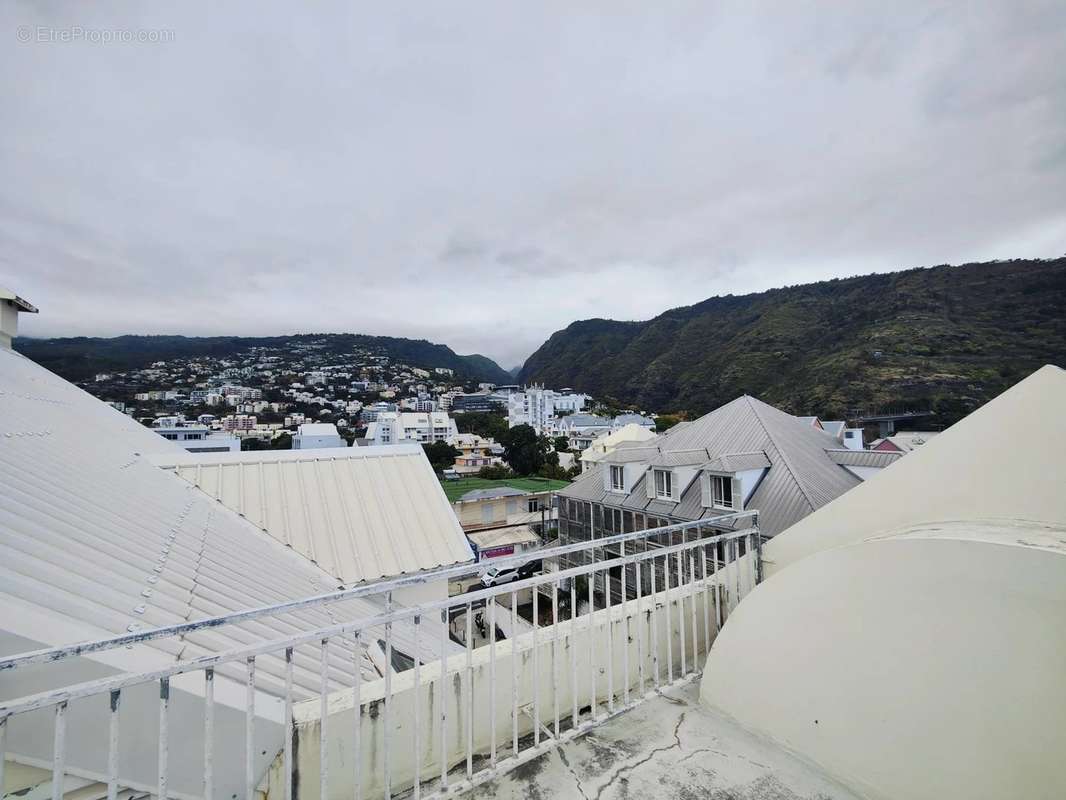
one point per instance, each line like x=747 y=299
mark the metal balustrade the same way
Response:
x=654 y=631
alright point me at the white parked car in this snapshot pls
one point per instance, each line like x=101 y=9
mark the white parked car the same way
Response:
x=496 y=576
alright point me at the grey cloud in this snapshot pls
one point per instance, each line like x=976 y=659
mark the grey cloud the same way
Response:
x=434 y=171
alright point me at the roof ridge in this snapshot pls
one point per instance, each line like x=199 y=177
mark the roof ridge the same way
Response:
x=780 y=452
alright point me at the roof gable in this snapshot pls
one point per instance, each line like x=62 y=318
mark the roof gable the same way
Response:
x=801 y=475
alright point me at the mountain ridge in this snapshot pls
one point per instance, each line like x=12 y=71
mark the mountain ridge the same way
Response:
x=946 y=337
x=79 y=357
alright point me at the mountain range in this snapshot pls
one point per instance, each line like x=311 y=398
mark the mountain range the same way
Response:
x=943 y=339
x=82 y=357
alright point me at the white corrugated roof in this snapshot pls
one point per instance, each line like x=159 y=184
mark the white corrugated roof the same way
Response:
x=497 y=537
x=94 y=538
x=360 y=513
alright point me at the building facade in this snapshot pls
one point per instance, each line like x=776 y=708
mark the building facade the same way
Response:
x=539 y=407
x=396 y=427
x=315 y=435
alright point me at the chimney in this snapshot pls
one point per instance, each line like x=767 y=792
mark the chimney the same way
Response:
x=10 y=306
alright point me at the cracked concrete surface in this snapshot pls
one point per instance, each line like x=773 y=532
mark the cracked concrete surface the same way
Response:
x=668 y=747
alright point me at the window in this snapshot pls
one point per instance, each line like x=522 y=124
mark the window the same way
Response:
x=618 y=478
x=664 y=484
x=534 y=506
x=721 y=491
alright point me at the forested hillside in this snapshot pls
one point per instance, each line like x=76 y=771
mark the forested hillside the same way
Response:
x=944 y=338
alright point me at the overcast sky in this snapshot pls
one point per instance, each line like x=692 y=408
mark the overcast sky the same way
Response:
x=483 y=174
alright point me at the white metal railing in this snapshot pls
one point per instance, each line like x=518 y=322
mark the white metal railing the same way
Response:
x=702 y=576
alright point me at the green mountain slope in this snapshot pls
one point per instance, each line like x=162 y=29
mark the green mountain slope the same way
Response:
x=945 y=338
x=81 y=357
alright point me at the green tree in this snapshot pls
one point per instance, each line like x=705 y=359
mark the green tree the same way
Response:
x=524 y=450
x=664 y=422
x=441 y=455
x=562 y=444
x=490 y=424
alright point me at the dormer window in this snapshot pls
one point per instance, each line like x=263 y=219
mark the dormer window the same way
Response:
x=722 y=492
x=664 y=484
x=618 y=478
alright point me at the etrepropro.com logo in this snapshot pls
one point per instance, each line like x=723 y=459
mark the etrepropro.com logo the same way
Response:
x=48 y=34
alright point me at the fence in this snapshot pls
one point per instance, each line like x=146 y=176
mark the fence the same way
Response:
x=438 y=720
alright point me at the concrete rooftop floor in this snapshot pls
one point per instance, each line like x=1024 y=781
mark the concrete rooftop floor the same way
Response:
x=667 y=747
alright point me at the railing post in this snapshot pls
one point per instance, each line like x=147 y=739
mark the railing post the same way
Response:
x=416 y=731
x=112 y=748
x=249 y=730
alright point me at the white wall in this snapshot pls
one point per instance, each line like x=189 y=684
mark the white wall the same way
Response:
x=919 y=667
x=459 y=708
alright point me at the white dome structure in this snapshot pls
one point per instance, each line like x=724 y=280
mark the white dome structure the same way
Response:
x=911 y=635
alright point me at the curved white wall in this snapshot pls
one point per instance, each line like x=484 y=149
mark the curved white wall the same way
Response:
x=1003 y=460
x=921 y=666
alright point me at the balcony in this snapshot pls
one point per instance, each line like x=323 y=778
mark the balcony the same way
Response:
x=284 y=718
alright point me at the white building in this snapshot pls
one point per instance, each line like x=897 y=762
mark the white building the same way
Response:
x=316 y=435
x=539 y=407
x=606 y=443
x=199 y=438
x=395 y=427
x=580 y=430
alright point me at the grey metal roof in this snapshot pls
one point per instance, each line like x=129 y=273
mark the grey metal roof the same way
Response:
x=627 y=452
x=586 y=421
x=738 y=462
x=863 y=458
x=587 y=486
x=94 y=539
x=634 y=419
x=833 y=427
x=801 y=475
x=491 y=494
x=678 y=458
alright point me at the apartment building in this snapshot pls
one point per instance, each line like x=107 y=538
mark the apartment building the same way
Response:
x=539 y=407
x=395 y=427
x=313 y=435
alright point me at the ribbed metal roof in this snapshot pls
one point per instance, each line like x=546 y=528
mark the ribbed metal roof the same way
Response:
x=677 y=458
x=801 y=476
x=360 y=513
x=491 y=494
x=863 y=458
x=737 y=462
x=94 y=539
